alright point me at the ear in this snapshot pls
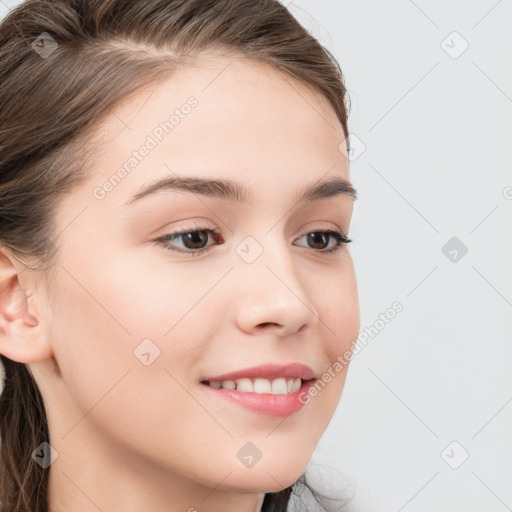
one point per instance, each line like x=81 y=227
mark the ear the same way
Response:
x=22 y=338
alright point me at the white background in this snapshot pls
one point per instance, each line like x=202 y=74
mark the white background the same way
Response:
x=436 y=125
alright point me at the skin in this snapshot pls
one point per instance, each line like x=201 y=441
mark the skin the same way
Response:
x=133 y=437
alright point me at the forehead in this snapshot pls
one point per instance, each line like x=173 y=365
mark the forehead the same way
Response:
x=228 y=117
x=221 y=82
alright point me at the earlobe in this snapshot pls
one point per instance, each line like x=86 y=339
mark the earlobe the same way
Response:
x=21 y=337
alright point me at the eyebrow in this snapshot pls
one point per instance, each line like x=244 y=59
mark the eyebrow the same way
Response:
x=235 y=191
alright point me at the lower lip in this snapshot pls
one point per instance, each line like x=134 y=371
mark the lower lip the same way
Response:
x=268 y=404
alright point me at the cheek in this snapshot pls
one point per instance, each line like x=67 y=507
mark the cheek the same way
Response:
x=91 y=346
x=340 y=324
x=107 y=327
x=155 y=296
x=338 y=308
x=97 y=324
x=107 y=388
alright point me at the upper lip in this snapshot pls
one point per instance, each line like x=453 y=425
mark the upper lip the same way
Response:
x=269 y=371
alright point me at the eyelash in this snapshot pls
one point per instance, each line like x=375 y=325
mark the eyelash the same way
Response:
x=339 y=237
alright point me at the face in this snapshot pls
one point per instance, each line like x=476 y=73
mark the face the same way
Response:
x=141 y=315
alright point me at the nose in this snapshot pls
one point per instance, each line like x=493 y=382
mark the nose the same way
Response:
x=272 y=295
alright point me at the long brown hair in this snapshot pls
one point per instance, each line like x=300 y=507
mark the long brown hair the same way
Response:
x=64 y=63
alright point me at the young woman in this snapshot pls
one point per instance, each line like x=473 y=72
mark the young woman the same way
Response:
x=176 y=291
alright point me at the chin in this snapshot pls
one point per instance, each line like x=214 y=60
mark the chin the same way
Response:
x=264 y=477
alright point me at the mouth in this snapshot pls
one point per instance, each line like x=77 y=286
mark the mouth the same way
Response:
x=262 y=396
x=260 y=386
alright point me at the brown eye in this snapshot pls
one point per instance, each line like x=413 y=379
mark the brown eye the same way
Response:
x=189 y=241
x=195 y=239
x=319 y=240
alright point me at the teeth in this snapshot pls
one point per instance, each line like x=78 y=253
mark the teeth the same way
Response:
x=279 y=386
x=228 y=384
x=296 y=385
x=244 y=385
